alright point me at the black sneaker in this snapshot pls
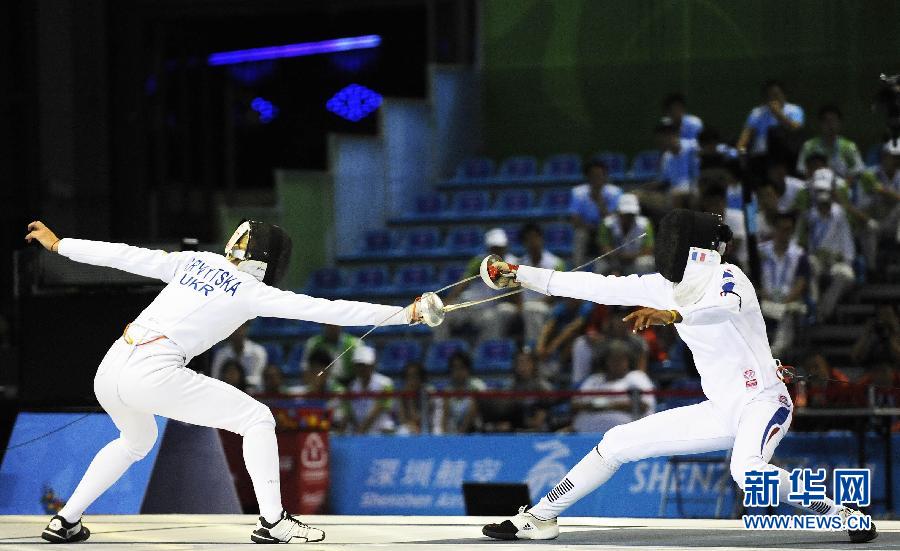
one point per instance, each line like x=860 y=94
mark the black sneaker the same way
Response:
x=858 y=536
x=62 y=531
x=285 y=530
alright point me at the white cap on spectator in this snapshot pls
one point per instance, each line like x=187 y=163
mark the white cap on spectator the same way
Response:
x=892 y=147
x=823 y=183
x=496 y=237
x=363 y=354
x=628 y=204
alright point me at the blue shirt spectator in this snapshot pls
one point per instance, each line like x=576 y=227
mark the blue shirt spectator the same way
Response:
x=689 y=126
x=775 y=112
x=594 y=199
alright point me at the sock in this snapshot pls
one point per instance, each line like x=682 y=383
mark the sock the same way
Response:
x=585 y=477
x=826 y=506
x=261 y=458
x=108 y=465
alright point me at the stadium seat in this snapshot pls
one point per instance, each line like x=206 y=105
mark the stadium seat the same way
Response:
x=685 y=385
x=563 y=165
x=415 y=279
x=379 y=243
x=426 y=240
x=431 y=205
x=645 y=165
x=495 y=356
x=470 y=203
x=291 y=365
x=437 y=359
x=518 y=167
x=479 y=167
x=451 y=274
x=369 y=279
x=326 y=281
x=617 y=163
x=468 y=240
x=274 y=353
x=396 y=354
x=267 y=328
x=514 y=202
x=555 y=202
x=558 y=238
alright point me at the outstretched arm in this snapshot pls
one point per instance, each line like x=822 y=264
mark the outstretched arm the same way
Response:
x=647 y=290
x=136 y=260
x=274 y=303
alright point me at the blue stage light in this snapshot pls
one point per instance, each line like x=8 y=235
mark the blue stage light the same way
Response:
x=354 y=102
x=295 y=50
x=266 y=110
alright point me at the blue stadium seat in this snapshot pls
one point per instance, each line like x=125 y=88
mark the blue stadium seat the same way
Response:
x=291 y=364
x=479 y=167
x=467 y=240
x=451 y=274
x=514 y=201
x=415 y=279
x=518 y=167
x=495 y=355
x=645 y=165
x=426 y=240
x=617 y=163
x=431 y=205
x=554 y=202
x=274 y=353
x=379 y=243
x=558 y=238
x=687 y=385
x=563 y=165
x=515 y=241
x=470 y=203
x=369 y=279
x=396 y=354
x=326 y=281
x=266 y=328
x=438 y=357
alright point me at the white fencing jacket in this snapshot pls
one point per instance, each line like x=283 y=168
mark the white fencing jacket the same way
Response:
x=206 y=298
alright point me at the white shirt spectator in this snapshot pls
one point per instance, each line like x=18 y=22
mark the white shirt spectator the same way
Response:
x=601 y=421
x=362 y=406
x=253 y=358
x=831 y=233
x=780 y=272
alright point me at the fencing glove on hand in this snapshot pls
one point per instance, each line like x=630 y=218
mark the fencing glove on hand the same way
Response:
x=498 y=274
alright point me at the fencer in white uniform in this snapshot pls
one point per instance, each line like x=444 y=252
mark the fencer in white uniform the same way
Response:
x=716 y=312
x=206 y=297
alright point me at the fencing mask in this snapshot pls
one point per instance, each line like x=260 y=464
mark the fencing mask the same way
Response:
x=685 y=234
x=263 y=250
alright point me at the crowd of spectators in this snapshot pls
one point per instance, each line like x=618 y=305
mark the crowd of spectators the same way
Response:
x=823 y=223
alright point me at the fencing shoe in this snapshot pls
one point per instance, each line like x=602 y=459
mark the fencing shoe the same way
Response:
x=285 y=530
x=858 y=536
x=523 y=526
x=62 y=531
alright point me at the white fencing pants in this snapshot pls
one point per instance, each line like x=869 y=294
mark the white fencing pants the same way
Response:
x=134 y=383
x=699 y=428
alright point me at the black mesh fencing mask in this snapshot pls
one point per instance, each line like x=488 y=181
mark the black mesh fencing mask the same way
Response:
x=681 y=229
x=267 y=253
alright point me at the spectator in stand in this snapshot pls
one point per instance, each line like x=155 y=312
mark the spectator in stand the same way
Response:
x=333 y=341
x=689 y=126
x=589 y=350
x=824 y=387
x=842 y=154
x=370 y=415
x=619 y=228
x=536 y=306
x=459 y=415
x=827 y=236
x=273 y=381
x=880 y=340
x=487 y=323
x=679 y=164
x=325 y=387
x=878 y=199
x=715 y=200
x=554 y=345
x=774 y=119
x=785 y=273
x=776 y=195
x=601 y=413
x=250 y=355
x=410 y=410
x=713 y=152
x=232 y=372
x=531 y=413
x=591 y=201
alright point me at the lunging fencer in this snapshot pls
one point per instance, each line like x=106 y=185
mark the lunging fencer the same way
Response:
x=716 y=312
x=207 y=296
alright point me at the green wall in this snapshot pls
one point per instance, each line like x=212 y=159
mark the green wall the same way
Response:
x=588 y=75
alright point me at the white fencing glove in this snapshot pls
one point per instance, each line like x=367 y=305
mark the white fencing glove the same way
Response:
x=498 y=274
x=427 y=309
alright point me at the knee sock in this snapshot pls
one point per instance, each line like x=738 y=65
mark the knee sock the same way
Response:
x=261 y=458
x=592 y=471
x=825 y=506
x=108 y=465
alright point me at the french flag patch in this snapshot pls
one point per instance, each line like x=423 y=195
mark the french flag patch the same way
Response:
x=702 y=256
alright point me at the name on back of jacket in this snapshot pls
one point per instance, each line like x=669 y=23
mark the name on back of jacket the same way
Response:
x=203 y=278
